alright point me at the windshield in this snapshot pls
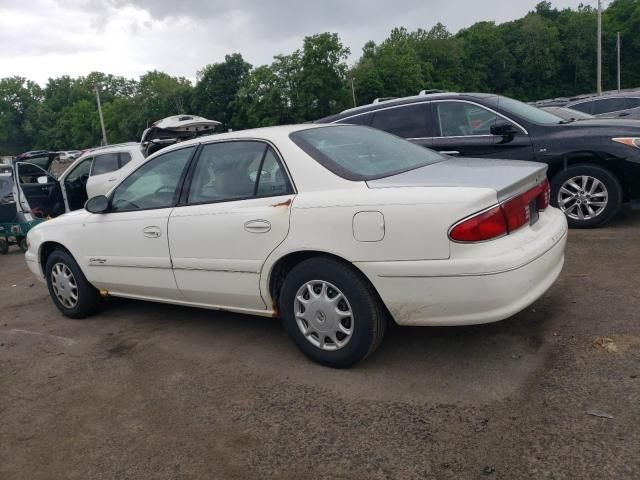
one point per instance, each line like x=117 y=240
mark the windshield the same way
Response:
x=527 y=112
x=362 y=153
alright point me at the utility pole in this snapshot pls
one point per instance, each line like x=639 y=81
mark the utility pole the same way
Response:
x=599 y=47
x=618 y=45
x=104 y=132
x=353 y=93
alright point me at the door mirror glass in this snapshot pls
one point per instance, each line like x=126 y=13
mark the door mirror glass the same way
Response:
x=503 y=128
x=99 y=204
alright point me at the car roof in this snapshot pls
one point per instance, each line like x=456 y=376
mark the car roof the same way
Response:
x=279 y=132
x=376 y=105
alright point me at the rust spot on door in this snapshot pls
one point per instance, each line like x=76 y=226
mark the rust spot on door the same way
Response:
x=284 y=204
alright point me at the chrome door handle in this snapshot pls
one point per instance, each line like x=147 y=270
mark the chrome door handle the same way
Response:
x=112 y=179
x=152 y=232
x=257 y=226
x=450 y=152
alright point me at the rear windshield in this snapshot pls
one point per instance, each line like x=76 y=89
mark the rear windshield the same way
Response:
x=362 y=153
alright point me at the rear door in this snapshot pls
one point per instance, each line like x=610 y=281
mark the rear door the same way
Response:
x=236 y=212
x=464 y=129
x=407 y=121
x=107 y=171
x=74 y=184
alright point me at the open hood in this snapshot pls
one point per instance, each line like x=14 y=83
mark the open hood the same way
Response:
x=174 y=129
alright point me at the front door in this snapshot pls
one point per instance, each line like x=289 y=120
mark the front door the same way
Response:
x=127 y=249
x=39 y=192
x=235 y=213
x=465 y=130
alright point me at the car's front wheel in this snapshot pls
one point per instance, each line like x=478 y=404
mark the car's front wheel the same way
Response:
x=71 y=292
x=588 y=195
x=331 y=312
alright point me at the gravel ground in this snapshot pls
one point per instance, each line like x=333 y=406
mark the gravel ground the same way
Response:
x=154 y=391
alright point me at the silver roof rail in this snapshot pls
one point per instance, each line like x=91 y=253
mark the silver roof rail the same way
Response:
x=430 y=91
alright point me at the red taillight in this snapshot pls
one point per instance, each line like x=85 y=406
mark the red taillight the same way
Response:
x=502 y=219
x=484 y=226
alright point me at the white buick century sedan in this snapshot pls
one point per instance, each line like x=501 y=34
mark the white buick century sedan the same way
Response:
x=336 y=229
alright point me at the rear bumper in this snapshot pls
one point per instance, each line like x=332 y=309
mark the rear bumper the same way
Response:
x=479 y=284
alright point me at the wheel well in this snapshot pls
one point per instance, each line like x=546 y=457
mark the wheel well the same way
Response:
x=46 y=249
x=284 y=265
x=590 y=159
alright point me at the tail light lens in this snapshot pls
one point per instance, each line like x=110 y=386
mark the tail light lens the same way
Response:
x=503 y=218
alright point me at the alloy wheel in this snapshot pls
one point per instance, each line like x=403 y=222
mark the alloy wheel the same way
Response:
x=583 y=197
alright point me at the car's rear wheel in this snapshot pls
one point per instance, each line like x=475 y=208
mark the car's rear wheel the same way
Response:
x=331 y=312
x=4 y=246
x=71 y=292
x=588 y=195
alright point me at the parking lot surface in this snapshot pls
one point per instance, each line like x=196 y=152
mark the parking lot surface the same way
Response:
x=146 y=390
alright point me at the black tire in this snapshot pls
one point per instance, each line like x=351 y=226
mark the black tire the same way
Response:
x=22 y=243
x=4 y=246
x=608 y=179
x=368 y=313
x=88 y=301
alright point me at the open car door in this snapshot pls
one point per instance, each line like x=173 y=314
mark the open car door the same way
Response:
x=38 y=192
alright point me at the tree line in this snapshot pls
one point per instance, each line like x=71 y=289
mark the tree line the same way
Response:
x=547 y=53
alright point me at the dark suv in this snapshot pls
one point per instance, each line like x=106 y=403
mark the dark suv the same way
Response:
x=594 y=165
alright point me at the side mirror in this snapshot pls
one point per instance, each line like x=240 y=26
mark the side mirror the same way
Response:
x=503 y=129
x=43 y=180
x=99 y=204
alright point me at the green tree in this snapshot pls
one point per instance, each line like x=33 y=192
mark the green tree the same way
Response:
x=217 y=87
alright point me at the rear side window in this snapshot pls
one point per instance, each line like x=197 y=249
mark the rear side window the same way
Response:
x=236 y=171
x=105 y=163
x=609 y=105
x=125 y=157
x=409 y=121
x=364 y=119
x=361 y=153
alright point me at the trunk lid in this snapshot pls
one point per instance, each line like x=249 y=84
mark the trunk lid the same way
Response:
x=506 y=177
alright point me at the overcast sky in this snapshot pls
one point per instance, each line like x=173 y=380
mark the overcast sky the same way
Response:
x=48 y=38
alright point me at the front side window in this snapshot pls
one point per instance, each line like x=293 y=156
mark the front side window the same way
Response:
x=105 y=163
x=459 y=119
x=154 y=184
x=609 y=105
x=82 y=169
x=407 y=122
x=361 y=153
x=633 y=102
x=235 y=171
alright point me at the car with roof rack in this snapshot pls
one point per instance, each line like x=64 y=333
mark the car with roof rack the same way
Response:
x=593 y=164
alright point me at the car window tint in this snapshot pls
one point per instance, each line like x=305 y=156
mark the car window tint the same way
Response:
x=609 y=105
x=273 y=179
x=362 y=153
x=458 y=119
x=83 y=168
x=408 y=122
x=585 y=107
x=358 y=119
x=226 y=171
x=633 y=102
x=105 y=163
x=125 y=157
x=154 y=184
